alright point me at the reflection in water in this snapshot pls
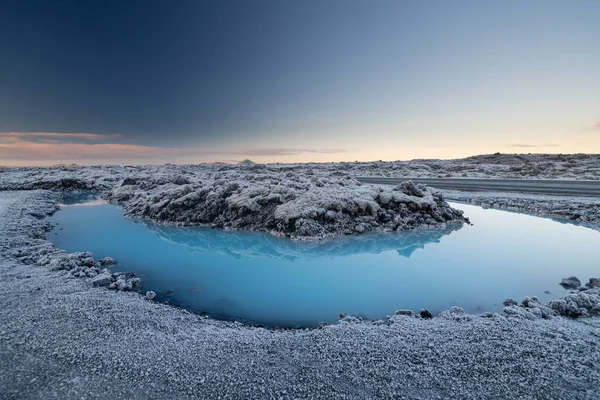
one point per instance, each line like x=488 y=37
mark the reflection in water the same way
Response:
x=239 y=244
x=80 y=198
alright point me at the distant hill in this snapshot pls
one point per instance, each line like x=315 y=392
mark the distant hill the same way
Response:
x=516 y=159
x=247 y=162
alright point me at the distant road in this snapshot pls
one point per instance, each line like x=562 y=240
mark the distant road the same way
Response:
x=550 y=187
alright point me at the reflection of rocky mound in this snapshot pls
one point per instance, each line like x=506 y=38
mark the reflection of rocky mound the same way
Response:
x=76 y=197
x=253 y=244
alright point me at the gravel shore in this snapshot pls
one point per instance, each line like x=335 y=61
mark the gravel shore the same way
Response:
x=62 y=338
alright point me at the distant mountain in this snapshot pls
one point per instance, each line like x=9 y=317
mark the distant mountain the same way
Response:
x=247 y=162
x=64 y=165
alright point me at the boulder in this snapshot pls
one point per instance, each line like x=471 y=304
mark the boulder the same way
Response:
x=102 y=280
x=107 y=261
x=509 y=302
x=570 y=283
x=594 y=282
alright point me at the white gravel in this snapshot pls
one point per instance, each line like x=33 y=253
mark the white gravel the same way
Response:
x=62 y=338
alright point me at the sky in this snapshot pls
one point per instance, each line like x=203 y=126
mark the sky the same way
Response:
x=189 y=81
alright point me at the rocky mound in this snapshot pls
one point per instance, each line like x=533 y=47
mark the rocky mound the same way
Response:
x=299 y=206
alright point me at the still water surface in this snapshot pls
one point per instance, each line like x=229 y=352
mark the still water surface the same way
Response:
x=259 y=278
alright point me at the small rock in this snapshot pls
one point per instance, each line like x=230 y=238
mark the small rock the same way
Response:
x=536 y=311
x=404 y=312
x=425 y=314
x=408 y=187
x=518 y=312
x=594 y=282
x=129 y=182
x=102 y=280
x=150 y=295
x=570 y=283
x=181 y=181
x=455 y=313
x=135 y=283
x=107 y=261
x=509 y=302
x=566 y=307
x=121 y=284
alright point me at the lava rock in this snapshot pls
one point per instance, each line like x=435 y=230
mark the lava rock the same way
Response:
x=570 y=283
x=293 y=205
x=411 y=189
x=124 y=283
x=455 y=314
x=102 y=280
x=181 y=181
x=129 y=182
x=518 y=312
x=509 y=302
x=425 y=314
x=594 y=282
x=107 y=261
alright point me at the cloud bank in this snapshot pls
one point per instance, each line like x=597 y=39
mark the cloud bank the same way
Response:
x=27 y=146
x=27 y=136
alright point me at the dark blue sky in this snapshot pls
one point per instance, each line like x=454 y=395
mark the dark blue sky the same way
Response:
x=175 y=71
x=308 y=75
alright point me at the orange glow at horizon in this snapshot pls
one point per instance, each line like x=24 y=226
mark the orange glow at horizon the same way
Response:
x=44 y=154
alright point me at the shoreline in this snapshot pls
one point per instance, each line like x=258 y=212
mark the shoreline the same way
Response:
x=324 y=180
x=42 y=252
x=65 y=339
x=583 y=211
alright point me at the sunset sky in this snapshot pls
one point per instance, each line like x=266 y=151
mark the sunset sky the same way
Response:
x=148 y=81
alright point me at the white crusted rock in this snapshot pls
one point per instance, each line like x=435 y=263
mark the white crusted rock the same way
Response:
x=102 y=280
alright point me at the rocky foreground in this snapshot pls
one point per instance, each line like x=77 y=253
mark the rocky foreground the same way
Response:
x=63 y=336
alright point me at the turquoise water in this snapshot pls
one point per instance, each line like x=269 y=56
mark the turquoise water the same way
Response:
x=262 y=279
